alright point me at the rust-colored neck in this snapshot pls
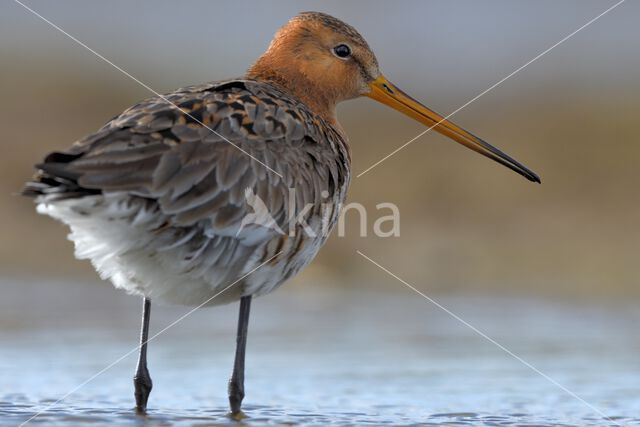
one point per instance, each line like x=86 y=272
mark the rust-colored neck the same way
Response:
x=294 y=81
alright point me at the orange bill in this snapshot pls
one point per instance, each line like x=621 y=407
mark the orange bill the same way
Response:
x=383 y=91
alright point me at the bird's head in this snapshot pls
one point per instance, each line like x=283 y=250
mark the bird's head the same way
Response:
x=323 y=61
x=315 y=53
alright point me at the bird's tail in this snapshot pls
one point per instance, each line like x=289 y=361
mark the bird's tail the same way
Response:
x=54 y=181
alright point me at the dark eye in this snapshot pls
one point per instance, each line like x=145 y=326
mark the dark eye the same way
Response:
x=342 y=51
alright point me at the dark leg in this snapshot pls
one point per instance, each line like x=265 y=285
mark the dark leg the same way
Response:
x=236 y=383
x=142 y=380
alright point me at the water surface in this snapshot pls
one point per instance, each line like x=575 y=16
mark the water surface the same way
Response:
x=319 y=358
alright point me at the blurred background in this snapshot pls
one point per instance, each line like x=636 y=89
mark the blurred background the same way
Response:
x=549 y=270
x=467 y=224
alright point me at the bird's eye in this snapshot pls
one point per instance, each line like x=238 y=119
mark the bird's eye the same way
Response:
x=342 y=51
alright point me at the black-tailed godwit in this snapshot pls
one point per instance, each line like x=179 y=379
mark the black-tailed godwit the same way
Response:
x=155 y=199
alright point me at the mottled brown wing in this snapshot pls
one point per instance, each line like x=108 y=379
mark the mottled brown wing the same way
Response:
x=156 y=151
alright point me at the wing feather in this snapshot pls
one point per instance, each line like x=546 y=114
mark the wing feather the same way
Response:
x=196 y=176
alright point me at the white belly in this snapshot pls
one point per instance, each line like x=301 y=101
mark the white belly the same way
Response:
x=128 y=242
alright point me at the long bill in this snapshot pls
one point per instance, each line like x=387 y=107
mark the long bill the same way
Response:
x=383 y=91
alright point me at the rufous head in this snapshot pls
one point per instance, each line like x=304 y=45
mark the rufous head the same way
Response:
x=320 y=59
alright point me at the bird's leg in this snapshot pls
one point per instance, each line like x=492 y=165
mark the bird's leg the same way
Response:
x=236 y=383
x=142 y=379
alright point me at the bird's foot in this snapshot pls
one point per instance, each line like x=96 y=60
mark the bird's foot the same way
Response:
x=236 y=394
x=237 y=416
x=143 y=385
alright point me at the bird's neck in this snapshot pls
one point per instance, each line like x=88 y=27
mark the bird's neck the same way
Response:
x=293 y=80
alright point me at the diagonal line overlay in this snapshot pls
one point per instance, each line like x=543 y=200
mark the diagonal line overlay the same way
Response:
x=149 y=88
x=490 y=88
x=488 y=338
x=121 y=358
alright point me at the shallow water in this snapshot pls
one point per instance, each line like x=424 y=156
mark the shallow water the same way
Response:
x=319 y=358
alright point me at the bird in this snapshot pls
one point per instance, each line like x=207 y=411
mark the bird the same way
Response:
x=157 y=199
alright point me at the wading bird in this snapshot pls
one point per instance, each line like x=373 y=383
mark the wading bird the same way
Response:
x=155 y=198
